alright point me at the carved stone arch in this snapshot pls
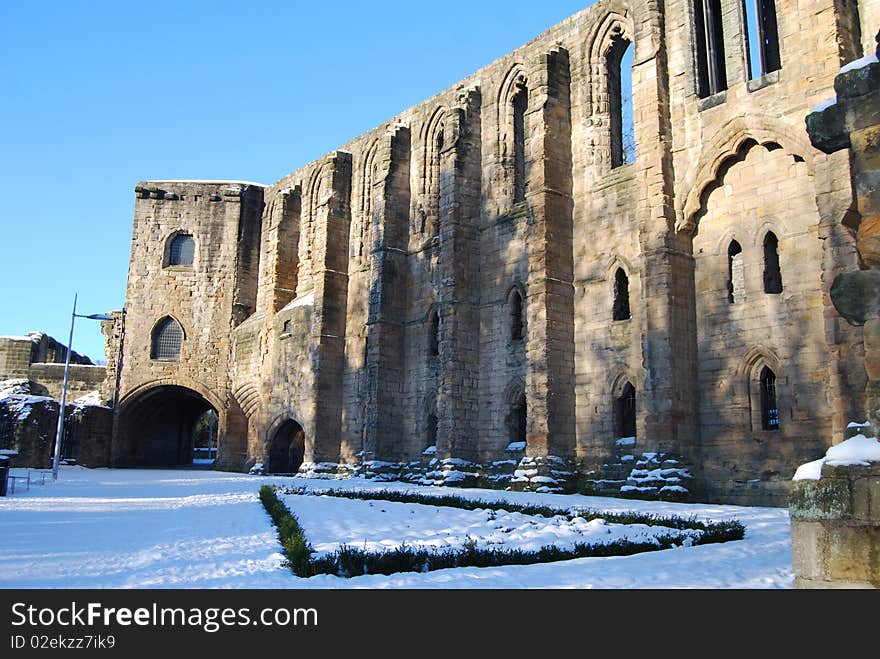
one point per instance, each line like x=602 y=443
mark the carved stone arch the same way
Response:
x=284 y=442
x=169 y=241
x=621 y=376
x=514 y=390
x=749 y=384
x=614 y=25
x=723 y=243
x=517 y=77
x=517 y=286
x=248 y=398
x=769 y=225
x=616 y=261
x=361 y=243
x=729 y=145
x=277 y=422
x=133 y=394
x=757 y=357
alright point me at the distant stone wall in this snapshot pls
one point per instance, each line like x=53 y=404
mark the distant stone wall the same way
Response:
x=40 y=358
x=835 y=527
x=28 y=425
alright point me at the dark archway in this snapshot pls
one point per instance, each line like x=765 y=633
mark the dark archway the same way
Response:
x=287 y=449
x=158 y=428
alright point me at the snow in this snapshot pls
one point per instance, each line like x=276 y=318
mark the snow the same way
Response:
x=858 y=450
x=516 y=446
x=206 y=529
x=91 y=399
x=431 y=450
x=626 y=441
x=303 y=301
x=209 y=182
x=824 y=105
x=15 y=387
x=860 y=63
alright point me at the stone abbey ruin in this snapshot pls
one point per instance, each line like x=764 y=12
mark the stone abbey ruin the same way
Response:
x=511 y=285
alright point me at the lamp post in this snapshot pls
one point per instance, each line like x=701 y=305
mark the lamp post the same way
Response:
x=60 y=433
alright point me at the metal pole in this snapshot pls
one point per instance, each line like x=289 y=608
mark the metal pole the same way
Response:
x=60 y=434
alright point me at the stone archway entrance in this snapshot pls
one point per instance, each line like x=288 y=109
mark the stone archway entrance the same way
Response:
x=160 y=427
x=287 y=449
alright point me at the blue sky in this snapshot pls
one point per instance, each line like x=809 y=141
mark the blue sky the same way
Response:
x=100 y=95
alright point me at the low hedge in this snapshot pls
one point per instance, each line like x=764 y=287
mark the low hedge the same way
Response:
x=349 y=561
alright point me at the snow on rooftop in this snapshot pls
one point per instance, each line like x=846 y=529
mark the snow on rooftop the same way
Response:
x=860 y=63
x=858 y=450
x=18 y=338
x=210 y=182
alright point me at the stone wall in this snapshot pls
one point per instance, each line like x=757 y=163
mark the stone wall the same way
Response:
x=379 y=317
x=835 y=527
x=40 y=358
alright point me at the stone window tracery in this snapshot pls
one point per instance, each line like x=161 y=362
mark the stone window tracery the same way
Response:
x=167 y=340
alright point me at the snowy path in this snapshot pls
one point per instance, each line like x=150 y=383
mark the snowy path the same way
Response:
x=201 y=529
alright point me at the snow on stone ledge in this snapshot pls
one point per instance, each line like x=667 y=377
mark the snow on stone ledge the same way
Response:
x=824 y=105
x=91 y=399
x=626 y=441
x=860 y=63
x=858 y=450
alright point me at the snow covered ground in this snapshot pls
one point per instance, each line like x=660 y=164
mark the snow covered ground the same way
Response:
x=202 y=529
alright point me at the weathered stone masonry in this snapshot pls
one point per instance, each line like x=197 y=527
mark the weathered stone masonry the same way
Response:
x=443 y=298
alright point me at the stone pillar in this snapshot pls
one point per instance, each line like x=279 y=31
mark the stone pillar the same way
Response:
x=550 y=351
x=667 y=396
x=383 y=422
x=458 y=287
x=835 y=528
x=854 y=122
x=835 y=521
x=330 y=279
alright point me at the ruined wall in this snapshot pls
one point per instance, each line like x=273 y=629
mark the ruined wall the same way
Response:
x=380 y=318
x=206 y=299
x=40 y=359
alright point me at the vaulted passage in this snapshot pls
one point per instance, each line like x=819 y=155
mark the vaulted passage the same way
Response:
x=159 y=427
x=287 y=449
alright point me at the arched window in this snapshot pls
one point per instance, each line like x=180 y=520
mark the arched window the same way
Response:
x=516 y=316
x=167 y=339
x=434 y=334
x=520 y=105
x=431 y=429
x=182 y=251
x=621 y=296
x=625 y=411
x=769 y=405
x=518 y=419
x=772 y=274
x=762 y=37
x=618 y=63
x=736 y=282
x=709 y=43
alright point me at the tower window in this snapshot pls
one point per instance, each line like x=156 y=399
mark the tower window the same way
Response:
x=167 y=339
x=711 y=70
x=772 y=274
x=736 y=286
x=762 y=37
x=621 y=309
x=518 y=419
x=183 y=249
x=625 y=411
x=516 y=316
x=769 y=406
x=618 y=63
x=520 y=105
x=431 y=439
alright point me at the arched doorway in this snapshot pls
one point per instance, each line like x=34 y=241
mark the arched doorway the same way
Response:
x=287 y=449
x=162 y=426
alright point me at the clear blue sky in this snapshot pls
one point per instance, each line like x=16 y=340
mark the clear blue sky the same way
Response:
x=99 y=95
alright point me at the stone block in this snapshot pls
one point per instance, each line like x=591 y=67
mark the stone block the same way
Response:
x=852 y=553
